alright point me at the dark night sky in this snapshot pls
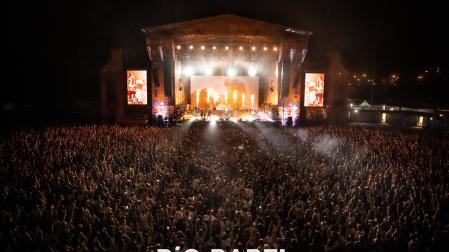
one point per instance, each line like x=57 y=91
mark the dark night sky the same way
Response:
x=59 y=47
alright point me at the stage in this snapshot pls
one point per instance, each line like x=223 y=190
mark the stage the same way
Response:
x=226 y=66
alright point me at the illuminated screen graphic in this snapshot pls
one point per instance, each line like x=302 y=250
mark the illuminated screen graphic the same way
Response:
x=224 y=92
x=314 y=90
x=136 y=84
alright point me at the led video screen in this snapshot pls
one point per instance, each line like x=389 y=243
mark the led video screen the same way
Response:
x=314 y=90
x=136 y=84
x=224 y=92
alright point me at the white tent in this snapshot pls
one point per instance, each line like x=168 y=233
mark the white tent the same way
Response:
x=364 y=104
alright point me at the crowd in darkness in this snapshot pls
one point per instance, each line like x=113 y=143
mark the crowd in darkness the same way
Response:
x=226 y=185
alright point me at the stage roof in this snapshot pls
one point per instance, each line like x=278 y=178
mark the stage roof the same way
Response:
x=222 y=31
x=225 y=27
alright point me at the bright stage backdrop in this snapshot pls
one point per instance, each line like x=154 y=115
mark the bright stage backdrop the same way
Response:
x=220 y=92
x=136 y=85
x=314 y=90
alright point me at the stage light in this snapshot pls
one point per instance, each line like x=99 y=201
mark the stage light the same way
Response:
x=214 y=47
x=243 y=100
x=252 y=101
x=178 y=47
x=265 y=48
x=191 y=47
x=208 y=71
x=252 y=71
x=241 y=48
x=188 y=71
x=235 y=96
x=231 y=72
x=203 y=47
x=208 y=95
x=226 y=47
x=275 y=48
x=215 y=98
x=213 y=122
x=197 y=97
x=253 y=48
x=226 y=96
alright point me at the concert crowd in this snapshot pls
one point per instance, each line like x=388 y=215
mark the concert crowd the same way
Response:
x=225 y=185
